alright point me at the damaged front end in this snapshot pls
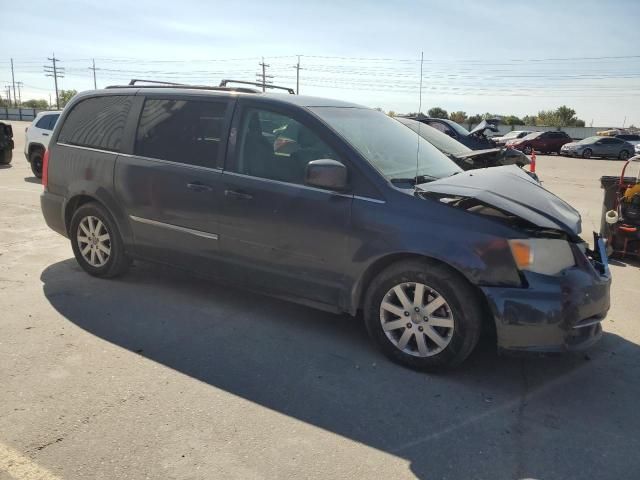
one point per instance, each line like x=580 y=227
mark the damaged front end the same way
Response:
x=564 y=286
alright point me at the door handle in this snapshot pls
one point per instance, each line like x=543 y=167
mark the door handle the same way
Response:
x=199 y=187
x=238 y=195
x=45 y=134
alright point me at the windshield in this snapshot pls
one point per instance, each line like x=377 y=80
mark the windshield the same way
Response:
x=441 y=141
x=589 y=140
x=532 y=135
x=458 y=128
x=392 y=148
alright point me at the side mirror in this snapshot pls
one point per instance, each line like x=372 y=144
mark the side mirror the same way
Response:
x=326 y=173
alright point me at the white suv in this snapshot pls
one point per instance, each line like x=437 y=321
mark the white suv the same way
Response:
x=37 y=139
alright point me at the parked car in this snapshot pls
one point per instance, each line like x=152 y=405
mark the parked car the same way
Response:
x=359 y=214
x=475 y=139
x=462 y=155
x=6 y=143
x=37 y=137
x=633 y=139
x=544 y=142
x=512 y=135
x=611 y=147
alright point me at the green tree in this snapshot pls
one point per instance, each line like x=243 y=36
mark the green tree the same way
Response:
x=39 y=103
x=4 y=102
x=512 y=120
x=560 y=117
x=437 y=112
x=474 y=120
x=65 y=96
x=529 y=120
x=458 y=117
x=391 y=113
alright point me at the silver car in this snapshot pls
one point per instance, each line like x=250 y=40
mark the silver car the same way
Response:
x=599 y=147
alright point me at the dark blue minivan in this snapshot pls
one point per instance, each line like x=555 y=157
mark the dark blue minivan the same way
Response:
x=326 y=203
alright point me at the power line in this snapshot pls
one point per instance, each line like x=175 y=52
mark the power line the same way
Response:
x=55 y=72
x=262 y=77
x=95 y=85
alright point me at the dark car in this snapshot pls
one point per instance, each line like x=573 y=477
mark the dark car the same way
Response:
x=6 y=144
x=605 y=147
x=358 y=213
x=462 y=155
x=475 y=139
x=543 y=142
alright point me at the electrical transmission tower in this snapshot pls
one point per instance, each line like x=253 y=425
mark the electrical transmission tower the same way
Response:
x=56 y=72
x=263 y=78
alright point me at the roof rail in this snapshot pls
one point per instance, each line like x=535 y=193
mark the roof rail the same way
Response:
x=223 y=83
x=134 y=80
x=161 y=84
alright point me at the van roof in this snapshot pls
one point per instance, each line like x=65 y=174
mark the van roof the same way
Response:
x=299 y=100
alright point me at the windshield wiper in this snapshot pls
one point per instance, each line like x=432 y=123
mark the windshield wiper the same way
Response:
x=412 y=180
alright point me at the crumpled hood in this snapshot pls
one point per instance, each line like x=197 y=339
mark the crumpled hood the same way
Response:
x=491 y=124
x=512 y=190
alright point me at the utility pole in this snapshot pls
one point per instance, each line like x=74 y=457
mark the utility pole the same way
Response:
x=55 y=72
x=263 y=77
x=13 y=80
x=297 y=67
x=8 y=87
x=19 y=84
x=95 y=85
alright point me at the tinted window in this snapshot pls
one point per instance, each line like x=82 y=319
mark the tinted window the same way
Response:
x=629 y=137
x=97 y=122
x=43 y=122
x=184 y=131
x=53 y=119
x=441 y=126
x=611 y=141
x=277 y=147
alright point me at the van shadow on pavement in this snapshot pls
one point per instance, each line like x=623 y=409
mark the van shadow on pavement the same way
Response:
x=569 y=416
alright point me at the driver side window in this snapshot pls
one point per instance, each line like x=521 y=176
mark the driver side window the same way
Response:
x=277 y=147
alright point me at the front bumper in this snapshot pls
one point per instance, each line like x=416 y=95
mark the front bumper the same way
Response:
x=554 y=313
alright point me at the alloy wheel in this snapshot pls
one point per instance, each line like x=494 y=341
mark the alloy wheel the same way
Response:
x=417 y=319
x=94 y=241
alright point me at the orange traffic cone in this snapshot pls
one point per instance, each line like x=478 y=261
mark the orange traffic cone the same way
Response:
x=532 y=167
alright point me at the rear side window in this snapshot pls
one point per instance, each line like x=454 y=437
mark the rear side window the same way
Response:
x=97 y=122
x=183 y=131
x=44 y=122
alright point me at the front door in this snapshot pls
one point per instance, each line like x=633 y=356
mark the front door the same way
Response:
x=277 y=233
x=171 y=185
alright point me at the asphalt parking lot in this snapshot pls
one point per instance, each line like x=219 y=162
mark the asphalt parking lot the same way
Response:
x=162 y=375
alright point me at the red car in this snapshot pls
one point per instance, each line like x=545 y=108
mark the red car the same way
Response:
x=544 y=142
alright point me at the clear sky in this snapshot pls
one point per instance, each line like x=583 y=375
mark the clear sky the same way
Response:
x=501 y=57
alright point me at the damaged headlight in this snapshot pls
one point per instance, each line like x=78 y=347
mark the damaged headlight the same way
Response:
x=548 y=256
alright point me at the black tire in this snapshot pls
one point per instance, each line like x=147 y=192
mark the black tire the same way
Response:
x=587 y=153
x=527 y=150
x=117 y=262
x=462 y=299
x=5 y=156
x=623 y=155
x=35 y=159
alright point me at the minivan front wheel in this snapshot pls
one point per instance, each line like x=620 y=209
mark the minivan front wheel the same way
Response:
x=423 y=315
x=96 y=242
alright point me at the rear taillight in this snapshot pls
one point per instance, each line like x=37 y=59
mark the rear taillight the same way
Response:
x=45 y=169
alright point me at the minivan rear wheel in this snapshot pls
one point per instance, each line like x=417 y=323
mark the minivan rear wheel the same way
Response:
x=423 y=315
x=96 y=242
